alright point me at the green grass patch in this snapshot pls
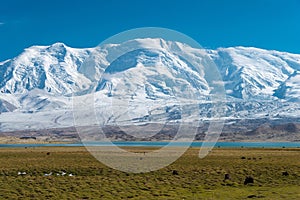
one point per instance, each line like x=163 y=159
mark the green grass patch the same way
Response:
x=197 y=178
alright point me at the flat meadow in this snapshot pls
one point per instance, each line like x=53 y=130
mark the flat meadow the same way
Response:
x=73 y=173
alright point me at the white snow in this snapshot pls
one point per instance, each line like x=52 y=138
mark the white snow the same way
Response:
x=36 y=86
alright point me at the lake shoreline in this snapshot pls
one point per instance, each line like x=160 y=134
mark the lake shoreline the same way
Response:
x=219 y=144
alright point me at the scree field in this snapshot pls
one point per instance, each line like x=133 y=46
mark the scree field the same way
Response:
x=72 y=173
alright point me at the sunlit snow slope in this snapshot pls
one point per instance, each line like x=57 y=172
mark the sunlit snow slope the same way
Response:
x=36 y=87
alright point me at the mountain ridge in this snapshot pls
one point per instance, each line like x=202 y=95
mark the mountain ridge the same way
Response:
x=40 y=81
x=220 y=56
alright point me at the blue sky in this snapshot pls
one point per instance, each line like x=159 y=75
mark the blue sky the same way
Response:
x=269 y=24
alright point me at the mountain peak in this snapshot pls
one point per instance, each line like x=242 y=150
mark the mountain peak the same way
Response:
x=258 y=82
x=59 y=44
x=246 y=71
x=57 y=47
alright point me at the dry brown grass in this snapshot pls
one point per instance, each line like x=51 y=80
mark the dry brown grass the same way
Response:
x=197 y=179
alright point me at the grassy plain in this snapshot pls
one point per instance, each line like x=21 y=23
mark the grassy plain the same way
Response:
x=197 y=178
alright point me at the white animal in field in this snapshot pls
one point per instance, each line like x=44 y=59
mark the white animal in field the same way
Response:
x=48 y=174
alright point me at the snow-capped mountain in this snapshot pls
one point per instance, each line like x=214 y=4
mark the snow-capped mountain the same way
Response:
x=39 y=83
x=51 y=68
x=252 y=73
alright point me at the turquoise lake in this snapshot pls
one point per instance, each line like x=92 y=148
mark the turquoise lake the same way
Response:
x=164 y=143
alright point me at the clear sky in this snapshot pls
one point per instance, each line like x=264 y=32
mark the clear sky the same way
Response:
x=269 y=24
